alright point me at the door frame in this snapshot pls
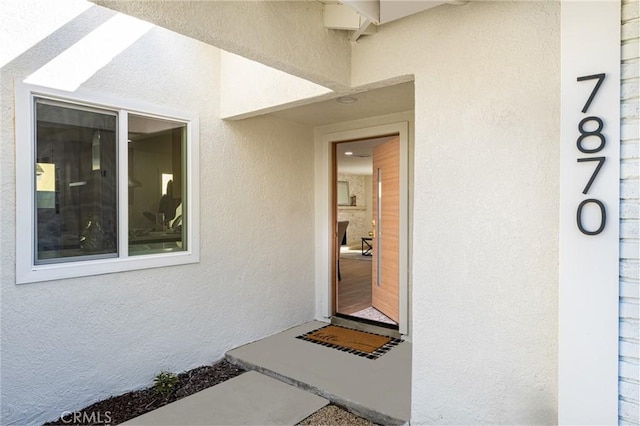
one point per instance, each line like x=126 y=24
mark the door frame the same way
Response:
x=325 y=228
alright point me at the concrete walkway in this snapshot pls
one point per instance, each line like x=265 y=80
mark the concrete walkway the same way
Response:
x=378 y=390
x=249 y=399
x=292 y=379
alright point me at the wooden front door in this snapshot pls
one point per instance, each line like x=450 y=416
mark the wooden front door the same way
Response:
x=386 y=224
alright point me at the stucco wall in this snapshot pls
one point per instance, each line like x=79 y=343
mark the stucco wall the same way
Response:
x=68 y=343
x=247 y=86
x=485 y=255
x=287 y=35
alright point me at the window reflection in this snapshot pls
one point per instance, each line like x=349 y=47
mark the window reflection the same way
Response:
x=45 y=185
x=156 y=185
x=75 y=169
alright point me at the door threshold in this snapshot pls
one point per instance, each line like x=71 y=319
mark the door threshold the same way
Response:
x=363 y=324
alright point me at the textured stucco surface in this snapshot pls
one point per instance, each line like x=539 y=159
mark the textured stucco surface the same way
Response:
x=247 y=86
x=485 y=256
x=67 y=343
x=287 y=35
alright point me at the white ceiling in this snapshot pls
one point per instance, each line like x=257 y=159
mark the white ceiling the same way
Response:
x=359 y=163
x=386 y=100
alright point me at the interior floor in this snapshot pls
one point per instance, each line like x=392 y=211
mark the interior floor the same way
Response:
x=354 y=289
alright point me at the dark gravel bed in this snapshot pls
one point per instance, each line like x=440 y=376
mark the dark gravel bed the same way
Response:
x=133 y=404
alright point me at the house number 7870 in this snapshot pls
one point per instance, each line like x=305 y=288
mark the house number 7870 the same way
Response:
x=591 y=142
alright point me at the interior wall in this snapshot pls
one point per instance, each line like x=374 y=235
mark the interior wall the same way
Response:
x=485 y=254
x=359 y=223
x=152 y=157
x=68 y=343
x=368 y=197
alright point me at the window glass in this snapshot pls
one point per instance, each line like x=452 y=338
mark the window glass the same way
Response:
x=76 y=182
x=156 y=150
x=105 y=185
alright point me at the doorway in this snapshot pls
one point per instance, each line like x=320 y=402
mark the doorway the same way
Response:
x=326 y=201
x=366 y=211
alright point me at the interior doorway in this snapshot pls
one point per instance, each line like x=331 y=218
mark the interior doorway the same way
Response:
x=366 y=213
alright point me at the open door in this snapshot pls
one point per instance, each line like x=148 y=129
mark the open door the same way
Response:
x=386 y=225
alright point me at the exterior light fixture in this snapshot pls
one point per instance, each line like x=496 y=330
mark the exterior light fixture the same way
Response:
x=346 y=99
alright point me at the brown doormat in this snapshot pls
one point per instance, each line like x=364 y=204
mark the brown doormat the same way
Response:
x=360 y=343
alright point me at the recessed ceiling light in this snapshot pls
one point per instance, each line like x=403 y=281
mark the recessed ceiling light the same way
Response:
x=348 y=153
x=346 y=99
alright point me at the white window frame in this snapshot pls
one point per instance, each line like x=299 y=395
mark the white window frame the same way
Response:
x=26 y=269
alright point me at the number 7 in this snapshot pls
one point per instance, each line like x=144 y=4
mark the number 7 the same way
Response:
x=600 y=161
x=600 y=78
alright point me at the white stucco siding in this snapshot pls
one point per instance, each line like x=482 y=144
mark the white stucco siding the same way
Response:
x=485 y=249
x=247 y=86
x=629 y=369
x=68 y=343
x=287 y=35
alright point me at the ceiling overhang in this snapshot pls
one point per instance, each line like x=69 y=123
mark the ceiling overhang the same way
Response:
x=384 y=11
x=285 y=35
x=362 y=16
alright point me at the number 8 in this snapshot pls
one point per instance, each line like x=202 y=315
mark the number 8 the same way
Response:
x=585 y=134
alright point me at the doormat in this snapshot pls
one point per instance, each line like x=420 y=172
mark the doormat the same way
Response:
x=361 y=343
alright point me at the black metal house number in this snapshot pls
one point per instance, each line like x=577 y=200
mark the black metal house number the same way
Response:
x=591 y=142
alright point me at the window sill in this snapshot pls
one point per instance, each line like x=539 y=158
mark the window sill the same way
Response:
x=50 y=272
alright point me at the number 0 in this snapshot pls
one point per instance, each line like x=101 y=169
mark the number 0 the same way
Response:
x=603 y=216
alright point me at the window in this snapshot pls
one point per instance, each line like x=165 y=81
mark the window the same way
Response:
x=75 y=204
x=156 y=184
x=102 y=188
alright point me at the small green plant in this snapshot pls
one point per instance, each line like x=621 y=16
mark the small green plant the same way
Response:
x=164 y=383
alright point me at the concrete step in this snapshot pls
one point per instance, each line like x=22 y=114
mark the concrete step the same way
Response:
x=378 y=390
x=249 y=399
